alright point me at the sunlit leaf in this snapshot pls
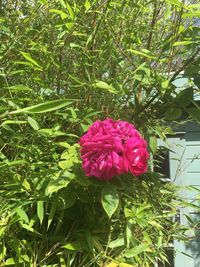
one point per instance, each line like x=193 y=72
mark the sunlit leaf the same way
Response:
x=19 y=87
x=28 y=57
x=44 y=107
x=143 y=53
x=40 y=210
x=109 y=199
x=183 y=43
x=33 y=123
x=59 y=12
x=22 y=214
x=104 y=85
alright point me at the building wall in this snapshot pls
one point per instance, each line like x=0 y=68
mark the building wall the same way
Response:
x=184 y=163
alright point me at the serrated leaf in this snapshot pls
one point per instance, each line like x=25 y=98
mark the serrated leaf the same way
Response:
x=109 y=199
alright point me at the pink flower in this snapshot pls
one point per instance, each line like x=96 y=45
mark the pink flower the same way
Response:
x=136 y=154
x=111 y=148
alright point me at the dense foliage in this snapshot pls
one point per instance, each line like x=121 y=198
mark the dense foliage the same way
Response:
x=63 y=65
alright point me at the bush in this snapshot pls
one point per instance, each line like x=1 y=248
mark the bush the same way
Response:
x=64 y=65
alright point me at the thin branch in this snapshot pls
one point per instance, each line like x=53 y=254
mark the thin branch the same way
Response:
x=191 y=59
x=153 y=22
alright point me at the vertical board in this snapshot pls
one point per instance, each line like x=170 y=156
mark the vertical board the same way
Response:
x=184 y=172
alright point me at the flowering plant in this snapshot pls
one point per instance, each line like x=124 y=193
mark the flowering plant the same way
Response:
x=111 y=148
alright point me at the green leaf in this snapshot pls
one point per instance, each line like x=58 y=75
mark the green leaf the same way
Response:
x=22 y=214
x=194 y=113
x=62 y=2
x=143 y=73
x=13 y=122
x=136 y=250
x=44 y=107
x=119 y=242
x=13 y=163
x=33 y=123
x=155 y=224
x=109 y=199
x=26 y=185
x=67 y=198
x=143 y=53
x=29 y=228
x=192 y=14
x=72 y=246
x=174 y=2
x=19 y=87
x=185 y=97
x=43 y=1
x=59 y=12
x=40 y=210
x=60 y=181
x=70 y=157
x=87 y=5
x=2 y=230
x=51 y=132
x=13 y=261
x=52 y=212
x=84 y=127
x=129 y=235
x=183 y=43
x=153 y=144
x=30 y=59
x=70 y=10
x=104 y=85
x=165 y=84
x=173 y=113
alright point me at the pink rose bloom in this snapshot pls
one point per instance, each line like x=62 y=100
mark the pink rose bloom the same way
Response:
x=111 y=148
x=137 y=155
